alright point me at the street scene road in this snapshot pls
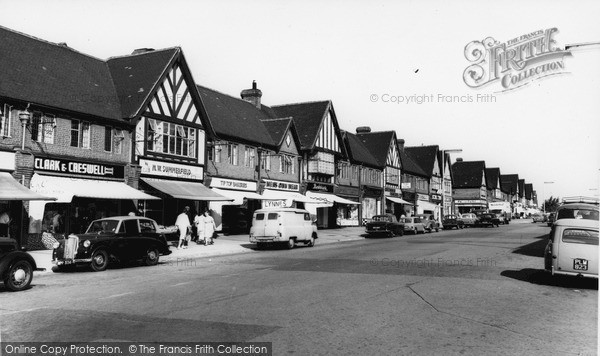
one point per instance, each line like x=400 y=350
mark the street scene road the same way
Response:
x=470 y=291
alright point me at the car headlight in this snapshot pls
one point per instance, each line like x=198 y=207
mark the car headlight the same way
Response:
x=86 y=243
x=56 y=245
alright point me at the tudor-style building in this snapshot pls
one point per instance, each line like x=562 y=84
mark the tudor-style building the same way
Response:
x=321 y=149
x=445 y=168
x=253 y=158
x=469 y=186
x=383 y=146
x=361 y=179
x=414 y=181
x=510 y=184
x=494 y=187
x=427 y=157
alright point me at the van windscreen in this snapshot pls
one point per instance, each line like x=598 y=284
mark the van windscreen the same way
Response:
x=272 y=216
x=260 y=216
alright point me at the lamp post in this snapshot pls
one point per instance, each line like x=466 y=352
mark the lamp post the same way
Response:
x=544 y=194
x=24 y=116
x=455 y=150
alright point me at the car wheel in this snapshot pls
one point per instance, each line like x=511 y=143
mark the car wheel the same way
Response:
x=19 y=276
x=311 y=242
x=437 y=229
x=290 y=244
x=99 y=260
x=152 y=257
x=390 y=234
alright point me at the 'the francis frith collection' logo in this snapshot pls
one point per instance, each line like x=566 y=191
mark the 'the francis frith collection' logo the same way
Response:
x=516 y=62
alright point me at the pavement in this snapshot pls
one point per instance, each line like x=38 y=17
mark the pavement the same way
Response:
x=223 y=245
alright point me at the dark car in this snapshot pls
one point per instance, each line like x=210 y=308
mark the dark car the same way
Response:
x=488 y=219
x=453 y=221
x=429 y=221
x=551 y=218
x=386 y=224
x=118 y=238
x=16 y=267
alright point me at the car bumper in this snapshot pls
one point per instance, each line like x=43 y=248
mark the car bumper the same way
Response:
x=66 y=262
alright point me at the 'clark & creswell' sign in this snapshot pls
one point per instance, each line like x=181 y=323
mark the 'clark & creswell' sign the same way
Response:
x=79 y=168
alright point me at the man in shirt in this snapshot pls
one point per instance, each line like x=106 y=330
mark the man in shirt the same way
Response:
x=183 y=224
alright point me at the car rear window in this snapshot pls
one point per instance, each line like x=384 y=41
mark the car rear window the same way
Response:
x=272 y=216
x=147 y=226
x=306 y=216
x=406 y=220
x=260 y=216
x=587 y=214
x=580 y=236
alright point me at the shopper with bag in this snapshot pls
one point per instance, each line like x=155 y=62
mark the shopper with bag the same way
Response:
x=199 y=224
x=209 y=228
x=183 y=224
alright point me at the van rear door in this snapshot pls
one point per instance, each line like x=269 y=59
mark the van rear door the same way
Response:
x=578 y=251
x=258 y=224
x=271 y=224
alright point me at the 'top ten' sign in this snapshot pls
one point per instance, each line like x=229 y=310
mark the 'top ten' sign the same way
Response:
x=516 y=62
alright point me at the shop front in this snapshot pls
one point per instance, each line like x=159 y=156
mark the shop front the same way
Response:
x=348 y=214
x=470 y=205
x=280 y=194
x=83 y=191
x=178 y=185
x=325 y=204
x=394 y=203
x=234 y=216
x=371 y=203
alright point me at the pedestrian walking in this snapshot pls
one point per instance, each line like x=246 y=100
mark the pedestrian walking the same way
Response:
x=199 y=224
x=209 y=228
x=183 y=224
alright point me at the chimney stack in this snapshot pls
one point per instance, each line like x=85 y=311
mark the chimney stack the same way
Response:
x=252 y=95
x=459 y=159
x=363 y=129
x=142 y=50
x=400 y=143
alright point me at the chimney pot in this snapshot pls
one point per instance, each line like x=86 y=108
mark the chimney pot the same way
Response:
x=459 y=159
x=400 y=144
x=252 y=95
x=363 y=129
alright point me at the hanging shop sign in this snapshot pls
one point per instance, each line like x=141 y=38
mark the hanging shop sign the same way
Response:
x=78 y=167
x=319 y=187
x=280 y=185
x=172 y=170
x=7 y=161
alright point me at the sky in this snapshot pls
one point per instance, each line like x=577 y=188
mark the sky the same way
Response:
x=370 y=58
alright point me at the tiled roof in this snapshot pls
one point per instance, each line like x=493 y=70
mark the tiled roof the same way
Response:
x=277 y=128
x=136 y=75
x=41 y=72
x=357 y=151
x=468 y=174
x=492 y=176
x=521 y=187
x=411 y=167
x=509 y=183
x=528 y=191
x=235 y=119
x=424 y=156
x=307 y=118
x=378 y=144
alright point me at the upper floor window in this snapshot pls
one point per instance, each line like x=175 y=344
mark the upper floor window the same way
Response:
x=80 y=134
x=43 y=127
x=249 y=156
x=5 y=120
x=286 y=164
x=113 y=140
x=265 y=161
x=232 y=154
x=166 y=137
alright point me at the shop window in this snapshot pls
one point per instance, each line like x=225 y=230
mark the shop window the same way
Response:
x=80 y=134
x=5 y=117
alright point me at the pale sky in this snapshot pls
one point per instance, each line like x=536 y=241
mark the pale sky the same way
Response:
x=349 y=51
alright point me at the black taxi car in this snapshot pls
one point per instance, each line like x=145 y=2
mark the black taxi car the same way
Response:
x=16 y=267
x=385 y=224
x=117 y=238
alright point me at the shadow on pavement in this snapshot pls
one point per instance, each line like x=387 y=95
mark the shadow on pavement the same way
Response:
x=534 y=249
x=542 y=277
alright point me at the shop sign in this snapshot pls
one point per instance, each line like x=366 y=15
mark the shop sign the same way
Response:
x=469 y=202
x=79 y=168
x=232 y=184
x=7 y=161
x=436 y=197
x=406 y=185
x=348 y=191
x=279 y=185
x=319 y=187
x=173 y=170
x=274 y=204
x=424 y=197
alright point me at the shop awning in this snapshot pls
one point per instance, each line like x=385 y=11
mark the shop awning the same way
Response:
x=399 y=200
x=425 y=205
x=185 y=190
x=330 y=198
x=65 y=188
x=269 y=194
x=10 y=189
x=237 y=196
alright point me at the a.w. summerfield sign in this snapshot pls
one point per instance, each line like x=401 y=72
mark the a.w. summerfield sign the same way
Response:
x=514 y=63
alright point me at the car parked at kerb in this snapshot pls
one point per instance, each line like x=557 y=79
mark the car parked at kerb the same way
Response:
x=117 y=238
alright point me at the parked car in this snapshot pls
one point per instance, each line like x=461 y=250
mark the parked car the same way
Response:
x=539 y=218
x=16 y=267
x=551 y=219
x=117 y=238
x=429 y=221
x=413 y=224
x=386 y=225
x=503 y=216
x=453 y=221
x=470 y=219
x=487 y=219
x=577 y=211
x=283 y=225
x=572 y=248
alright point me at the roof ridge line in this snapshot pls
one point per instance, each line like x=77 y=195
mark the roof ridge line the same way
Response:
x=142 y=53
x=301 y=103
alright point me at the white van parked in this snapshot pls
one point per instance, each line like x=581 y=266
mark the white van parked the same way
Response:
x=283 y=225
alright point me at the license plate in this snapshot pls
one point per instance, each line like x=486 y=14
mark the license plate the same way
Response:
x=375 y=227
x=580 y=264
x=65 y=262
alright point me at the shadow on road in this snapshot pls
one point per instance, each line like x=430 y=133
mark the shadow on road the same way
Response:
x=534 y=249
x=542 y=277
